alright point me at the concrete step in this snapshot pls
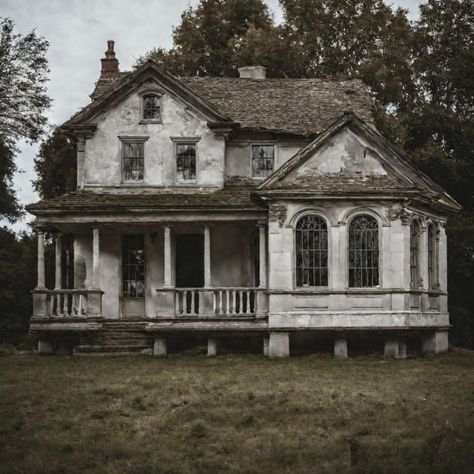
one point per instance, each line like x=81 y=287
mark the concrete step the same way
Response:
x=112 y=350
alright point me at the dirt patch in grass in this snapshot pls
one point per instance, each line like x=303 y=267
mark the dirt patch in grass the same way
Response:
x=236 y=414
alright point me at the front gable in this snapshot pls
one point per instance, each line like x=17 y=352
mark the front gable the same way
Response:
x=351 y=158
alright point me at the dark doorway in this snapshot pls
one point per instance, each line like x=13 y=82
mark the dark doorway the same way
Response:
x=190 y=261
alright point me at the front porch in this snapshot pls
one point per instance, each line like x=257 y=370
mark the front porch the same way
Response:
x=177 y=270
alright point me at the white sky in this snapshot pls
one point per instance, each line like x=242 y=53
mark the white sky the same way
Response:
x=77 y=31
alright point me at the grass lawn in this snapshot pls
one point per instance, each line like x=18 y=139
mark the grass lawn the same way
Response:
x=236 y=414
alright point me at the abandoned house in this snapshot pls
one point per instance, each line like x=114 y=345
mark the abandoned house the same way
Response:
x=251 y=208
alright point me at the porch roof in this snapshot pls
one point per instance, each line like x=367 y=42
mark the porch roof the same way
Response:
x=228 y=197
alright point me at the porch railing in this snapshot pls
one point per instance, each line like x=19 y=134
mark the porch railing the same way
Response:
x=64 y=303
x=216 y=301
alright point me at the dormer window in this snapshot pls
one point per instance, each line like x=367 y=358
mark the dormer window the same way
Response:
x=151 y=107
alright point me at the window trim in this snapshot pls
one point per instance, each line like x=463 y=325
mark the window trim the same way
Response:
x=124 y=139
x=348 y=222
x=150 y=92
x=185 y=141
x=433 y=272
x=275 y=157
x=415 y=285
x=299 y=217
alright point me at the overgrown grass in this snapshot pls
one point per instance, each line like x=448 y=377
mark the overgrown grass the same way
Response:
x=236 y=414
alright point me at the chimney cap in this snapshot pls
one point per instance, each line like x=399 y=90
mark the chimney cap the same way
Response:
x=252 y=72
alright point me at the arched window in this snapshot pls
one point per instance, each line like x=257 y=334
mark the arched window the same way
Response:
x=432 y=257
x=363 y=252
x=311 y=251
x=151 y=107
x=415 y=233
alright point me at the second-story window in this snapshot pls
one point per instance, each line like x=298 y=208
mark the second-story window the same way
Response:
x=133 y=159
x=263 y=160
x=186 y=161
x=151 y=107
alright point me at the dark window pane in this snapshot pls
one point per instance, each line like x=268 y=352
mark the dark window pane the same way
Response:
x=151 y=107
x=311 y=252
x=133 y=161
x=263 y=160
x=363 y=252
x=133 y=266
x=186 y=161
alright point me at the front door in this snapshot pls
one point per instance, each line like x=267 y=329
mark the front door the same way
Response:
x=189 y=261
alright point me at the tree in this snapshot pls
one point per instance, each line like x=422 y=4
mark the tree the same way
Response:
x=23 y=102
x=206 y=41
x=55 y=166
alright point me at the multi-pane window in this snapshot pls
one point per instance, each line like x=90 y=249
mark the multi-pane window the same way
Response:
x=311 y=251
x=133 y=266
x=363 y=252
x=133 y=161
x=415 y=233
x=432 y=257
x=151 y=107
x=263 y=160
x=185 y=161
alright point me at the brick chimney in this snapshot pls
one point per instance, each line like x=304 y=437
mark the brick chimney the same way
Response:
x=253 y=72
x=110 y=64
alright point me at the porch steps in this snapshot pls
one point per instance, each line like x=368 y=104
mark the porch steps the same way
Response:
x=112 y=350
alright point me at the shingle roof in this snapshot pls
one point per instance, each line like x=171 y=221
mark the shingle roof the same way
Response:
x=298 y=106
x=301 y=106
x=229 y=197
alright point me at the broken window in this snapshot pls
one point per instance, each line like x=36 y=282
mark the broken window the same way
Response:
x=185 y=161
x=415 y=233
x=363 y=252
x=151 y=107
x=263 y=160
x=133 y=161
x=311 y=251
x=133 y=266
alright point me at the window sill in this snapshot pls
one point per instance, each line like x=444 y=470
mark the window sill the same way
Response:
x=151 y=122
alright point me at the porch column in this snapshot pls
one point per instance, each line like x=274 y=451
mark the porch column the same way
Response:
x=207 y=256
x=95 y=258
x=262 y=246
x=58 y=254
x=168 y=278
x=41 y=275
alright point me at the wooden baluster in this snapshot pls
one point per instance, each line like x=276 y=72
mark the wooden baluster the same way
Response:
x=221 y=302
x=65 y=304
x=79 y=306
x=193 y=296
x=52 y=301
x=247 y=309
x=214 y=302
x=227 y=308
x=177 y=307
x=234 y=302
x=73 y=304
x=185 y=302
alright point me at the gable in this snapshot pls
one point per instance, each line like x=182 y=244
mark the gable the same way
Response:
x=129 y=84
x=348 y=158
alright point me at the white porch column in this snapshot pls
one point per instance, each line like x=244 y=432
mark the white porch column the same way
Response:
x=41 y=275
x=58 y=255
x=168 y=277
x=262 y=246
x=207 y=256
x=95 y=258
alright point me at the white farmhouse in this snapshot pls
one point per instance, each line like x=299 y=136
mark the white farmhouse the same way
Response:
x=239 y=207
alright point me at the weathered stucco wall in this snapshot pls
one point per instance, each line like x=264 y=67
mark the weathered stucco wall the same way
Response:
x=238 y=160
x=103 y=149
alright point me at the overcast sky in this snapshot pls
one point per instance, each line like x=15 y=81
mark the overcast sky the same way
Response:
x=77 y=31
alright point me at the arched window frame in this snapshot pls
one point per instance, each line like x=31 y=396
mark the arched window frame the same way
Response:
x=433 y=256
x=375 y=273
x=415 y=254
x=322 y=271
x=144 y=94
